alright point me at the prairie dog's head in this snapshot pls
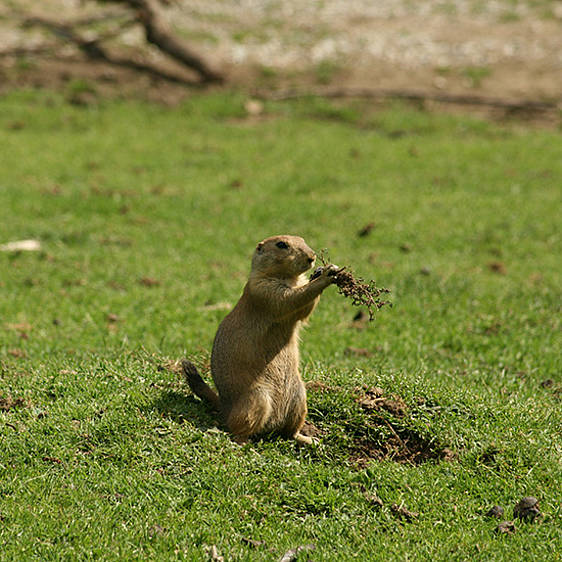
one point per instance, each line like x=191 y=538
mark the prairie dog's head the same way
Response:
x=283 y=257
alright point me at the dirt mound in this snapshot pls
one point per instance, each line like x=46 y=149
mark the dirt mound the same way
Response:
x=398 y=443
x=373 y=399
x=380 y=431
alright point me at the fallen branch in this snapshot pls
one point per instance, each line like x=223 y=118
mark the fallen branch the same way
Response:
x=412 y=95
x=93 y=50
x=145 y=13
x=157 y=34
x=90 y=47
x=29 y=51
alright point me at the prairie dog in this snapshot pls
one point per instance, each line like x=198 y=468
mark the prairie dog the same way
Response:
x=255 y=357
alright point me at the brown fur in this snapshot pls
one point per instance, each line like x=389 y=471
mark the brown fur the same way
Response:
x=255 y=357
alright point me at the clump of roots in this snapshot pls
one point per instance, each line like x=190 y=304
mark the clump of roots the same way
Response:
x=361 y=293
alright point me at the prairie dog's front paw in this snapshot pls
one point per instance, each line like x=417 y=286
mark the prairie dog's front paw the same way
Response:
x=326 y=271
x=316 y=273
x=332 y=270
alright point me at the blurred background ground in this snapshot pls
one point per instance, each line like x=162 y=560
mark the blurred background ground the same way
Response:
x=503 y=48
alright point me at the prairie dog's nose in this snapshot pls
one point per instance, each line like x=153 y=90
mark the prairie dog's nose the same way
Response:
x=312 y=258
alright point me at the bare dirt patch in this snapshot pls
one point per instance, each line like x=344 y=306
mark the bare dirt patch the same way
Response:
x=404 y=447
x=9 y=403
x=501 y=49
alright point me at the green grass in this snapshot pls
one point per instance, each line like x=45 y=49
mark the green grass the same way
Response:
x=104 y=453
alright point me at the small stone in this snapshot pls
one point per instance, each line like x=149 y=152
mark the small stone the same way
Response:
x=253 y=107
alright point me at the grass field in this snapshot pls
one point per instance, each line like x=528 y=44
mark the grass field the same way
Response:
x=148 y=216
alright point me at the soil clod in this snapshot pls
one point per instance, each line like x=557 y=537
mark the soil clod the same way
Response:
x=403 y=512
x=495 y=511
x=366 y=230
x=310 y=430
x=149 y=282
x=359 y=351
x=373 y=399
x=319 y=386
x=360 y=320
x=497 y=267
x=54 y=460
x=527 y=509
x=506 y=528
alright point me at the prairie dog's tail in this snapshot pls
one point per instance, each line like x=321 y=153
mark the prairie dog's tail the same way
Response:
x=198 y=386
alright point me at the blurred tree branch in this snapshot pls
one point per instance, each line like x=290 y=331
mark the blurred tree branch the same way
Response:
x=156 y=32
x=145 y=13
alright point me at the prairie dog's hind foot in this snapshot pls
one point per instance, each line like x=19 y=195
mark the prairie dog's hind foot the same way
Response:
x=305 y=439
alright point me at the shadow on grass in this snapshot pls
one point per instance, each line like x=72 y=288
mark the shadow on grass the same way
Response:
x=180 y=408
x=370 y=427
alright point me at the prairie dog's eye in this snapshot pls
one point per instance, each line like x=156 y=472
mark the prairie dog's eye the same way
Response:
x=282 y=245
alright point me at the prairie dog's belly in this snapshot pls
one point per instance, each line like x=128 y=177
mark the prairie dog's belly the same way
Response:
x=242 y=363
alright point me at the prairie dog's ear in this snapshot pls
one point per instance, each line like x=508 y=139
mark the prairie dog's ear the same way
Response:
x=259 y=248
